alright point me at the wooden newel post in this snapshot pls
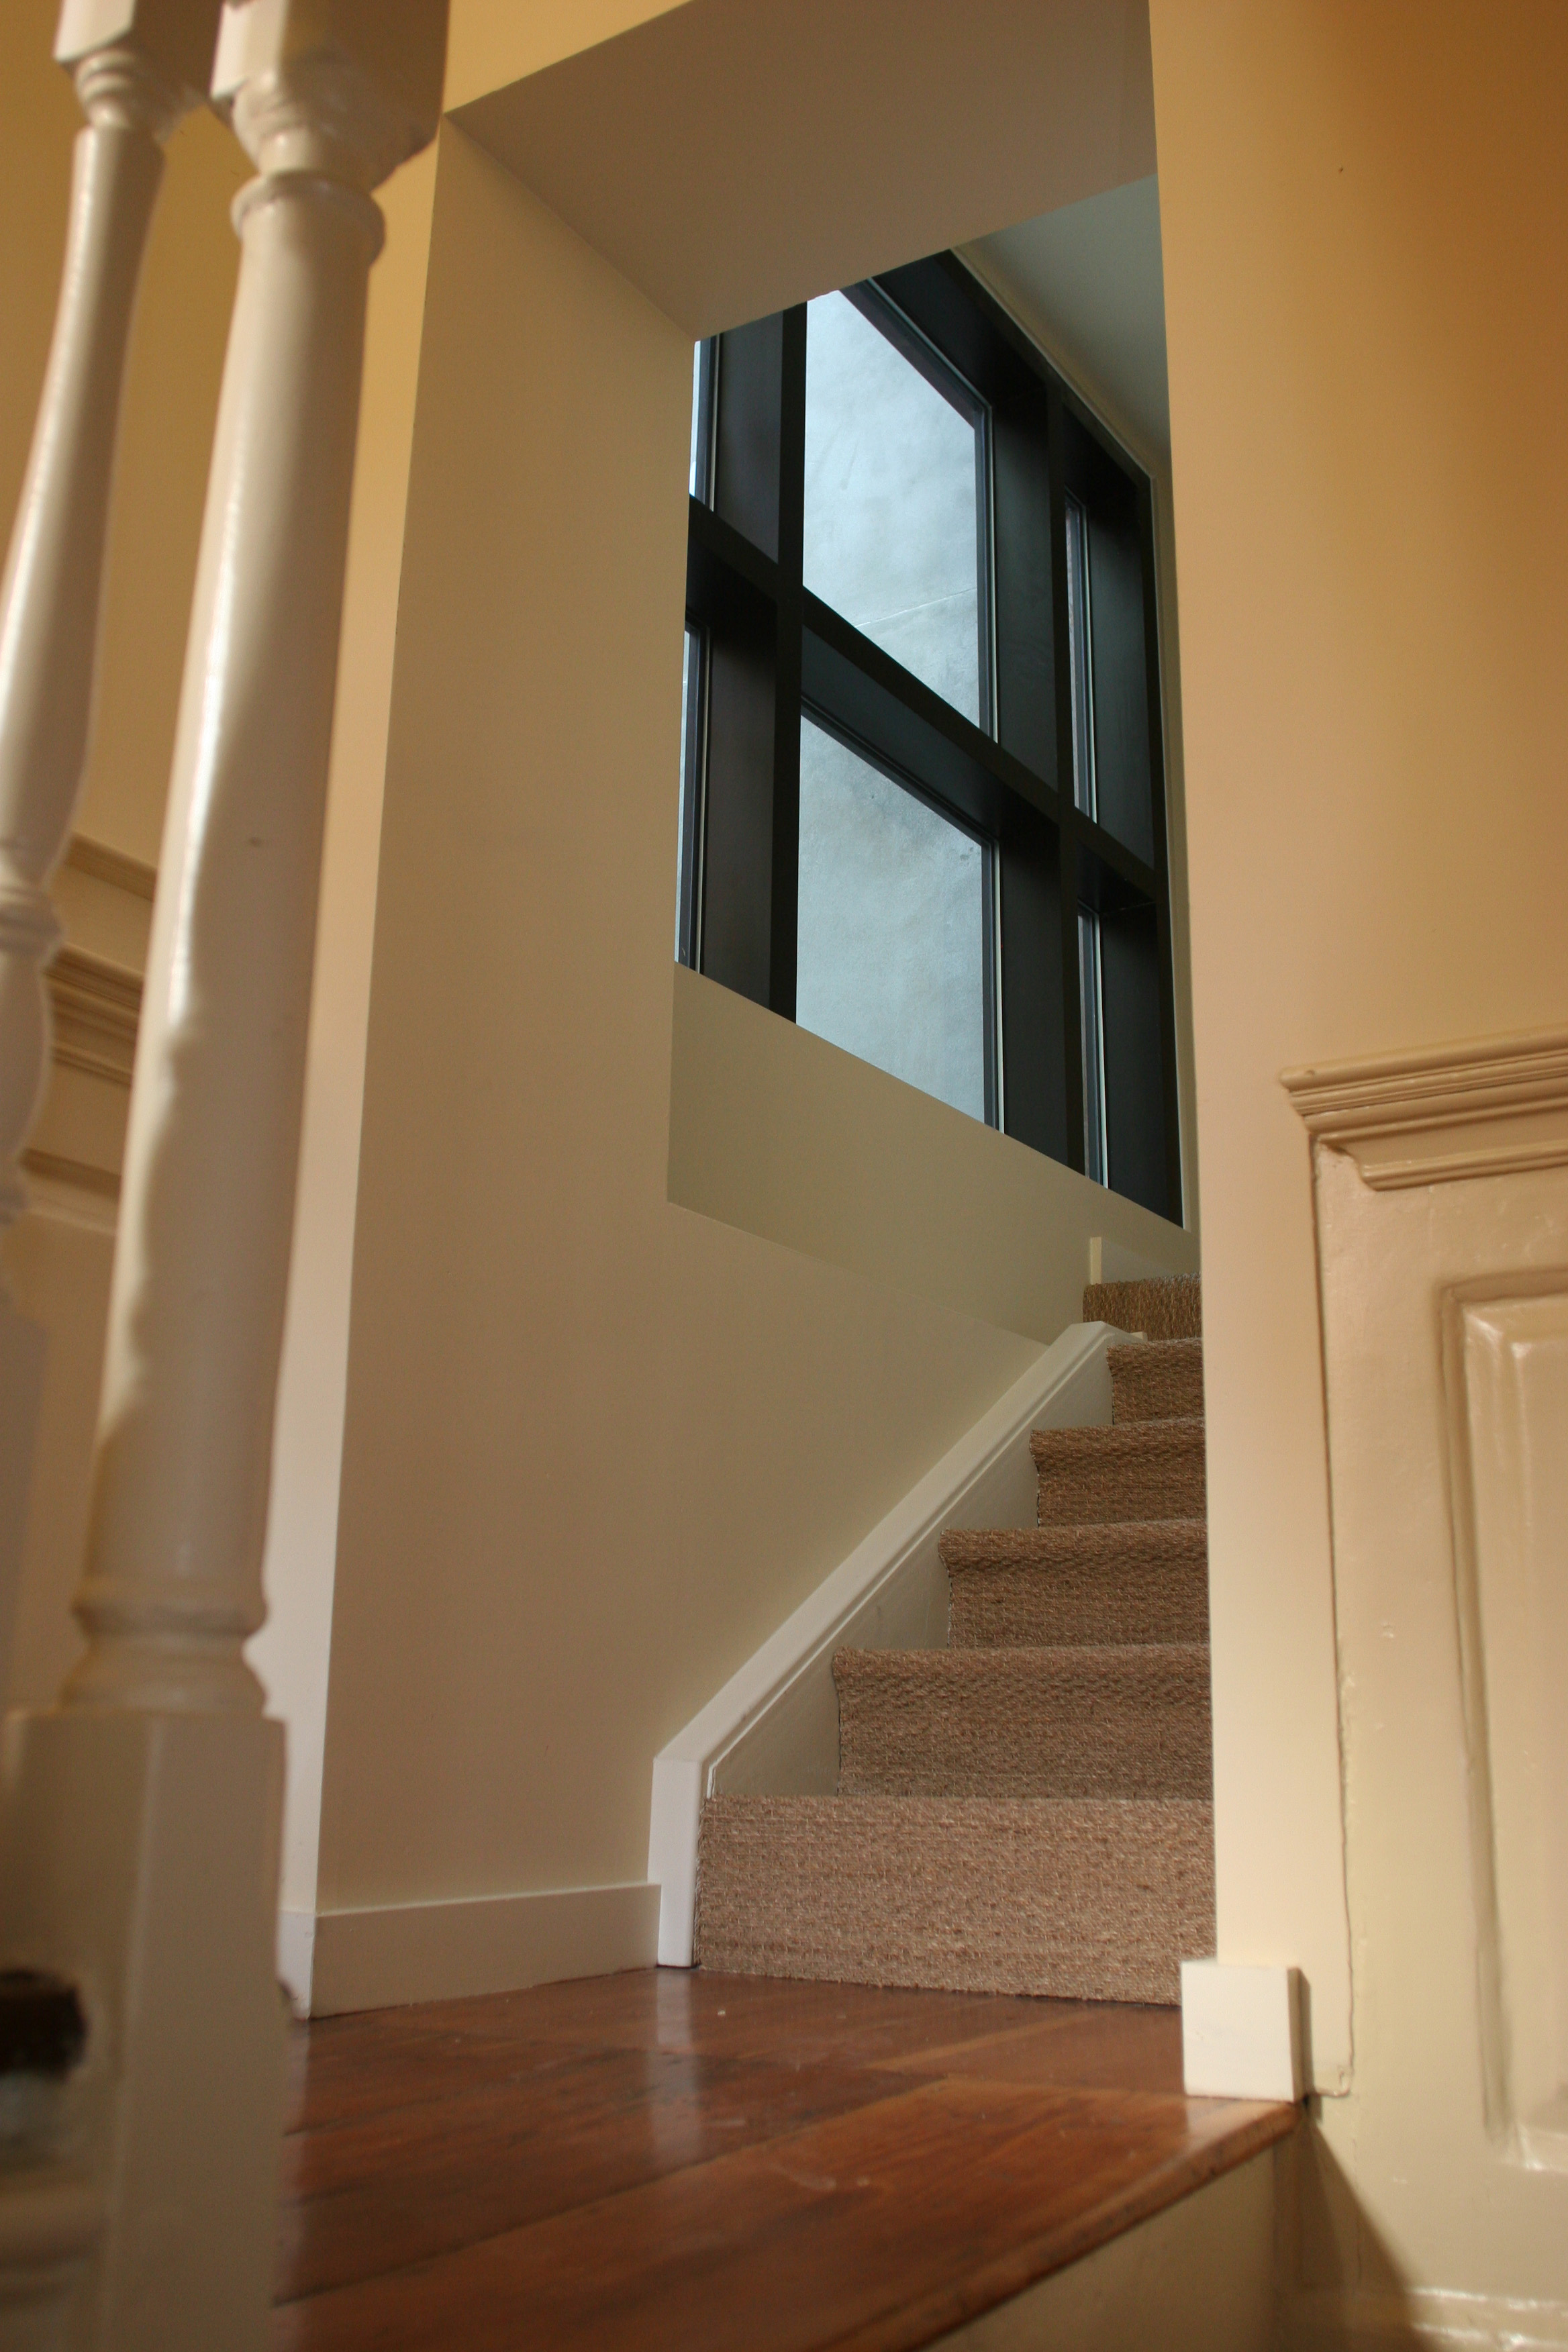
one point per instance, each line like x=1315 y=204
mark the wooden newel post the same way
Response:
x=138 y=1835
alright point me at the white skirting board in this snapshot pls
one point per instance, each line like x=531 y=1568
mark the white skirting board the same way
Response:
x=332 y=1961
x=1241 y=2030
x=773 y=1727
x=1430 y=2316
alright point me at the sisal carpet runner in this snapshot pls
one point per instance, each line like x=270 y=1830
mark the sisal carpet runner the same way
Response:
x=1029 y=1810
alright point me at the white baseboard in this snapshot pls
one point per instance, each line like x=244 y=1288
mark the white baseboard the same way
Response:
x=773 y=1727
x=1427 y=2315
x=1241 y=2030
x=333 y=1961
x=296 y=1956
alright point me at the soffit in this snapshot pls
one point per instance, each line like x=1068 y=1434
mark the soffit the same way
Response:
x=733 y=156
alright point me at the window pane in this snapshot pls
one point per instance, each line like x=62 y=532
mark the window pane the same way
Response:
x=1080 y=660
x=891 y=928
x=892 y=518
x=696 y=416
x=1091 y=1014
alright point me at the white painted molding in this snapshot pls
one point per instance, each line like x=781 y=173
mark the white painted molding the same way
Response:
x=773 y=1727
x=1330 y=2322
x=380 y=1957
x=1494 y=1107
x=1112 y=1260
x=97 y=859
x=94 y=1006
x=1241 y=2031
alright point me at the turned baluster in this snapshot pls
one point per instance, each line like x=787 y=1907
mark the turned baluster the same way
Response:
x=140 y=1821
x=139 y=65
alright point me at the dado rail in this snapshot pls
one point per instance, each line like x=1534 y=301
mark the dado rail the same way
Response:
x=140 y=2015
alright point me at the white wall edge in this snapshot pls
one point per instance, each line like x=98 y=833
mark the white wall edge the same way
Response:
x=1326 y=2322
x=381 y=1956
x=1241 y=2030
x=774 y=1725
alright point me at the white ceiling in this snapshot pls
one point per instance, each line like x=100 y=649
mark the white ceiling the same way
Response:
x=1087 y=281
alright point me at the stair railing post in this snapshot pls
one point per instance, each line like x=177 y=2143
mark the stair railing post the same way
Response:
x=139 y=66
x=139 y=1821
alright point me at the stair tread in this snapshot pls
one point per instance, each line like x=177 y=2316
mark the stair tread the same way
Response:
x=1086 y=1898
x=1071 y=1721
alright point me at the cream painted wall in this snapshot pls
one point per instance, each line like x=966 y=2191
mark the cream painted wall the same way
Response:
x=596 y=1446
x=1363 y=216
x=776 y=1130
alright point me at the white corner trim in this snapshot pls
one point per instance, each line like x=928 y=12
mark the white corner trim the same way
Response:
x=1496 y=1106
x=377 y=1957
x=774 y=1727
x=1241 y=2030
x=1325 y=2321
x=296 y=1956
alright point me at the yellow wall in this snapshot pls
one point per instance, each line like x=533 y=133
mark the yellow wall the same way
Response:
x=1363 y=214
x=596 y=1446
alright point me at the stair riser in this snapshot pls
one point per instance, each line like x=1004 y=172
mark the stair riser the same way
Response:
x=1157 y=1383
x=1024 y=1609
x=1162 y=1478
x=1083 y=1902
x=1161 y=1310
x=1020 y=1723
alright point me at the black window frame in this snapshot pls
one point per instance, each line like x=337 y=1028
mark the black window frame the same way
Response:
x=766 y=648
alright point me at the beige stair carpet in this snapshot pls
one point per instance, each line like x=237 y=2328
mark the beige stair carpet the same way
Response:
x=1160 y=1381
x=1161 y=1310
x=1134 y=1470
x=1035 y=1588
x=1026 y=1810
x=1079 y=1722
x=1088 y=1898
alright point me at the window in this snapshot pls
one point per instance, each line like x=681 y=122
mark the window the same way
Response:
x=922 y=772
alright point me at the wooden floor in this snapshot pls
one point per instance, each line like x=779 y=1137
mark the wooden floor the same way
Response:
x=676 y=2159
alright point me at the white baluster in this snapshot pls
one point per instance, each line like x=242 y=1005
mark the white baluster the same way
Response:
x=139 y=65
x=137 y=1839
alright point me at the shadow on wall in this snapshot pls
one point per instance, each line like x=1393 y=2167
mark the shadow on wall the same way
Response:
x=1339 y=2279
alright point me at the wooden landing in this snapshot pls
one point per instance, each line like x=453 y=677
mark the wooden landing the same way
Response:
x=693 y=2161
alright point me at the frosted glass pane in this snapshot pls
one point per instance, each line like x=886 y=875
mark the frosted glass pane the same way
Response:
x=893 y=537
x=892 y=931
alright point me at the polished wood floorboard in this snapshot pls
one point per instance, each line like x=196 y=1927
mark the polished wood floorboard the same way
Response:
x=670 y=2159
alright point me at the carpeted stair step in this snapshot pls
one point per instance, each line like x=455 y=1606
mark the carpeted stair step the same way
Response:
x=1081 y=1722
x=1137 y=1470
x=1171 y=1309
x=1086 y=1898
x=1040 y=1588
x=1159 y=1379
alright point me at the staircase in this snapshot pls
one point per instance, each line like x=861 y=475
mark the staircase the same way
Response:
x=1029 y=1810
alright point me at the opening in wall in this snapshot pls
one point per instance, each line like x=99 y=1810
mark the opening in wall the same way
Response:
x=922 y=770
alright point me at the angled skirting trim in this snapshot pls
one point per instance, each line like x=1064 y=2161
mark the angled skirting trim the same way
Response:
x=1494 y=1107
x=96 y=1006
x=379 y=1958
x=773 y=1727
x=1434 y=2316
